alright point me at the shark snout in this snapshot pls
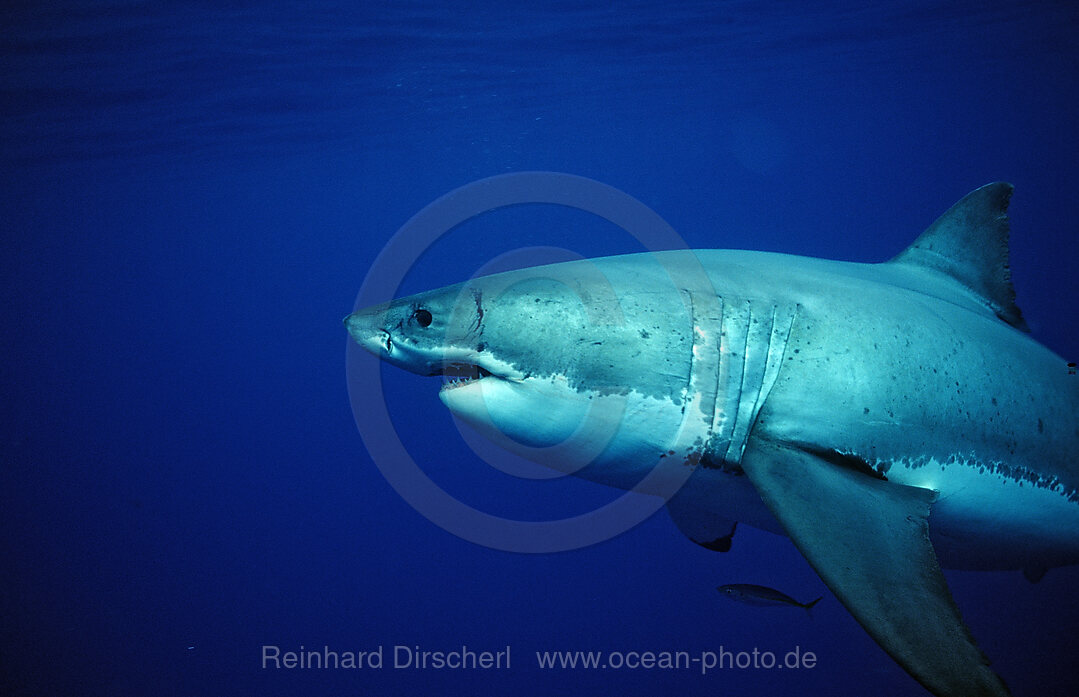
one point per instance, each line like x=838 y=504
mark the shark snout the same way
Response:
x=378 y=331
x=365 y=327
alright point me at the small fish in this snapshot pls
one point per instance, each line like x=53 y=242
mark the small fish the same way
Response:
x=751 y=594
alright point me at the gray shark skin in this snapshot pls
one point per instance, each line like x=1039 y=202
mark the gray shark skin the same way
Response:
x=889 y=418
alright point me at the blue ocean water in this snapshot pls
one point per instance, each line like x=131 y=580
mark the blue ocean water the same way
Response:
x=191 y=195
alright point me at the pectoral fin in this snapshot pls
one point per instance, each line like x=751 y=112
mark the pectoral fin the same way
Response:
x=868 y=539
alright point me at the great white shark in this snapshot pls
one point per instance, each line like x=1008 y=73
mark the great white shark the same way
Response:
x=890 y=418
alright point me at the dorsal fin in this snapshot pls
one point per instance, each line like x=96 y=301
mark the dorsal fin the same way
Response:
x=970 y=244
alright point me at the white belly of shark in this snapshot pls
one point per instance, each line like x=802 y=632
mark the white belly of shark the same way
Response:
x=886 y=417
x=548 y=421
x=985 y=519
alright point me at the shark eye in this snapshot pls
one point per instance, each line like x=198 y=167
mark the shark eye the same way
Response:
x=422 y=317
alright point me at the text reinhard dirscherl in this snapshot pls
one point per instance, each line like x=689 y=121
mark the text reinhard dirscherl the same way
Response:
x=412 y=657
x=463 y=658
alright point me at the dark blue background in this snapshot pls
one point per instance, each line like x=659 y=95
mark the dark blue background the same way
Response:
x=191 y=197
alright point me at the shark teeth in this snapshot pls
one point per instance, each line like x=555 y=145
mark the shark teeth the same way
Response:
x=458 y=374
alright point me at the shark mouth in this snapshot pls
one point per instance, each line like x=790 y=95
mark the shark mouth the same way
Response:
x=459 y=374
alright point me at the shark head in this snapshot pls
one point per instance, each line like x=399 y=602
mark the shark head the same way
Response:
x=441 y=334
x=432 y=334
x=556 y=363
